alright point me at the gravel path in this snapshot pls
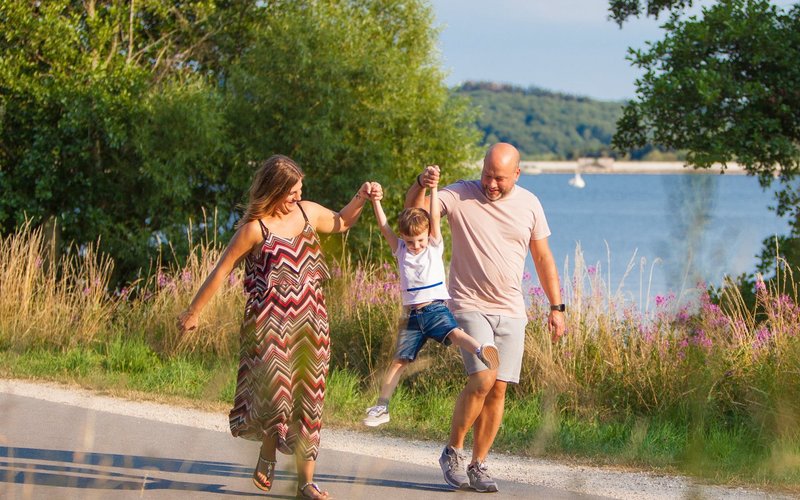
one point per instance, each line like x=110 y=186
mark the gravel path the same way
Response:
x=609 y=482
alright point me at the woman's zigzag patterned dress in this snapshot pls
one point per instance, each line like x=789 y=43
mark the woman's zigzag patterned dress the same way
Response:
x=285 y=344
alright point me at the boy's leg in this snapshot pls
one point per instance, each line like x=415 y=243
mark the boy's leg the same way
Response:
x=409 y=342
x=390 y=380
x=461 y=339
x=379 y=414
x=439 y=324
x=487 y=353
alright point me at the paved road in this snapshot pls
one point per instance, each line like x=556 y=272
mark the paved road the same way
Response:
x=56 y=451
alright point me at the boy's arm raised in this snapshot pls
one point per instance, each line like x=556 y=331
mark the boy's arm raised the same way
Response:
x=383 y=224
x=435 y=212
x=436 y=217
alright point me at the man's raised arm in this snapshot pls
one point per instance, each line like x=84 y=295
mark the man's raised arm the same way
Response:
x=415 y=197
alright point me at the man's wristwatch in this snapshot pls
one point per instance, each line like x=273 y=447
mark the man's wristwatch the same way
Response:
x=558 y=307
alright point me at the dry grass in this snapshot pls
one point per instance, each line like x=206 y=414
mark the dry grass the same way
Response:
x=684 y=358
x=51 y=299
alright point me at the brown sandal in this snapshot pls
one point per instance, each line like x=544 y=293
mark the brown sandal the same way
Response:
x=266 y=470
x=317 y=493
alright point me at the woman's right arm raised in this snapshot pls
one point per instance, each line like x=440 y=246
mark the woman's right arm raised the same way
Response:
x=243 y=241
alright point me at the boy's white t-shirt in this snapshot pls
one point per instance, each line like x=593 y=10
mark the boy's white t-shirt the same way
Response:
x=422 y=275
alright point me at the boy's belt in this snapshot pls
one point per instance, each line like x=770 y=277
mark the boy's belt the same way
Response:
x=422 y=308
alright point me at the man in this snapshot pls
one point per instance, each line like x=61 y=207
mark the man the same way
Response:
x=494 y=223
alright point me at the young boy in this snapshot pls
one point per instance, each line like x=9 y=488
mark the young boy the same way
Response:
x=419 y=250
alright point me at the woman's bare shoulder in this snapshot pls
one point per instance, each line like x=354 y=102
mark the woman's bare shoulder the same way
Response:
x=250 y=231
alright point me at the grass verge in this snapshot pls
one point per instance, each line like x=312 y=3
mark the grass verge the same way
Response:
x=531 y=426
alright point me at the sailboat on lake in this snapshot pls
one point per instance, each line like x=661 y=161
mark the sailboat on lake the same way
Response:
x=577 y=181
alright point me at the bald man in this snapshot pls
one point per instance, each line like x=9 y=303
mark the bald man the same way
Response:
x=494 y=223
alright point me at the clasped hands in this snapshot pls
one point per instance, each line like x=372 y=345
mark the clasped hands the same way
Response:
x=429 y=178
x=371 y=191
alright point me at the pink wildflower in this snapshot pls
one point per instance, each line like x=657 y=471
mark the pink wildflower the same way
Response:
x=682 y=345
x=763 y=336
x=702 y=340
x=162 y=280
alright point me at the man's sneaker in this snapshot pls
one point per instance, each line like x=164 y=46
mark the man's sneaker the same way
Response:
x=452 y=464
x=490 y=356
x=479 y=478
x=376 y=415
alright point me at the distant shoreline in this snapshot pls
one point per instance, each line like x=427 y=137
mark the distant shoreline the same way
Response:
x=605 y=166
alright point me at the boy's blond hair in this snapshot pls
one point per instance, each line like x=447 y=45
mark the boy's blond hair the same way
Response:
x=413 y=221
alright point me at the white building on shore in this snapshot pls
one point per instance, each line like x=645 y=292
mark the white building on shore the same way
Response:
x=609 y=166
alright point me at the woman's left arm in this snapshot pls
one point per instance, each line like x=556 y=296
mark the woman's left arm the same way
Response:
x=325 y=220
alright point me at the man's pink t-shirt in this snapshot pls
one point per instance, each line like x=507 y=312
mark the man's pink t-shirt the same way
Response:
x=490 y=240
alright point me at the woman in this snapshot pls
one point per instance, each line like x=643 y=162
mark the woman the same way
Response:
x=285 y=343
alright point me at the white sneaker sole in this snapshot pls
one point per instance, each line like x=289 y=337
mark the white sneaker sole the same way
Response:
x=375 y=422
x=490 y=356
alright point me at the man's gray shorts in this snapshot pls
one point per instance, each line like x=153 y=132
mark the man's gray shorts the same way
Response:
x=507 y=333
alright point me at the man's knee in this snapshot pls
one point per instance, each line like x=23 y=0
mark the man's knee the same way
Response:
x=497 y=393
x=481 y=383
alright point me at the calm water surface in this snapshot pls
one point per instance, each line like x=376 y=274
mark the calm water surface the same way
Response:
x=693 y=226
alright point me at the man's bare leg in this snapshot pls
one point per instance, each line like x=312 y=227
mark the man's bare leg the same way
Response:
x=469 y=405
x=488 y=422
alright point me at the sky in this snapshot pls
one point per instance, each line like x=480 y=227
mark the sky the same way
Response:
x=567 y=46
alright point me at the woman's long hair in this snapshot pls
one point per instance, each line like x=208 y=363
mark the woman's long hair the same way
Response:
x=273 y=181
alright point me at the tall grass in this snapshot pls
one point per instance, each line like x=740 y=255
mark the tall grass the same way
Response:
x=150 y=308
x=680 y=380
x=49 y=299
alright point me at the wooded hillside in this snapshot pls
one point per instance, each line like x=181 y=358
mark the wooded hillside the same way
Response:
x=545 y=124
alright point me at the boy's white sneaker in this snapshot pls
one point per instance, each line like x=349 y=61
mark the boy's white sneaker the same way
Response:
x=376 y=415
x=489 y=354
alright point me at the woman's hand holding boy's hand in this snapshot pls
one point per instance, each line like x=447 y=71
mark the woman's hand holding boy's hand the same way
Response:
x=376 y=193
x=369 y=190
x=364 y=192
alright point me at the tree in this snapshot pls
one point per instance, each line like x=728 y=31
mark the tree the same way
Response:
x=353 y=91
x=621 y=10
x=123 y=120
x=110 y=122
x=725 y=86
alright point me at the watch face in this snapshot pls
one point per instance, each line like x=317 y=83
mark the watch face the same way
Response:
x=558 y=307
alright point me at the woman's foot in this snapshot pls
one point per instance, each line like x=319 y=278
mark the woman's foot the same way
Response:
x=264 y=475
x=312 y=491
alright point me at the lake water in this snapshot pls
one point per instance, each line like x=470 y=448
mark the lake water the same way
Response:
x=693 y=226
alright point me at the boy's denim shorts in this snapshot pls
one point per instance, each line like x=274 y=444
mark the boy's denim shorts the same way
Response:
x=434 y=321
